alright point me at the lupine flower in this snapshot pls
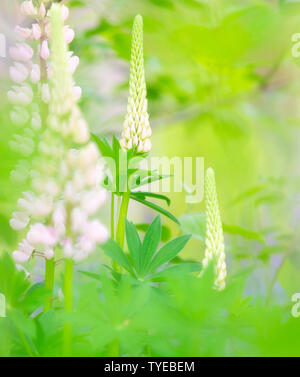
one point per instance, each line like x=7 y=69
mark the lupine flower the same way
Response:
x=35 y=74
x=28 y=9
x=21 y=52
x=31 y=70
x=36 y=121
x=24 y=33
x=42 y=11
x=19 y=221
x=69 y=34
x=19 y=116
x=136 y=129
x=26 y=72
x=18 y=72
x=36 y=31
x=64 y=12
x=214 y=233
x=22 y=144
x=44 y=50
x=66 y=180
x=24 y=252
x=20 y=95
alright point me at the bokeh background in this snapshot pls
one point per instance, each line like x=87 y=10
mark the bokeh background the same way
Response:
x=223 y=79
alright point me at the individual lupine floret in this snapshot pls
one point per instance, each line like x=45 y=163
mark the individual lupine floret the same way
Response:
x=136 y=130
x=66 y=180
x=215 y=249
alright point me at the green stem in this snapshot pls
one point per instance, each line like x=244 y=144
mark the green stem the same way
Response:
x=49 y=282
x=112 y=216
x=112 y=225
x=122 y=217
x=68 y=293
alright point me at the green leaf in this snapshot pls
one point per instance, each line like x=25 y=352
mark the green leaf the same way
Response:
x=235 y=229
x=13 y=283
x=116 y=145
x=168 y=252
x=157 y=208
x=91 y=275
x=35 y=298
x=194 y=224
x=146 y=177
x=143 y=195
x=113 y=250
x=165 y=231
x=177 y=270
x=134 y=244
x=151 y=242
x=103 y=146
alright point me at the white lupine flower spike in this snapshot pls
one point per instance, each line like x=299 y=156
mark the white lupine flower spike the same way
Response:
x=32 y=70
x=66 y=193
x=215 y=248
x=136 y=129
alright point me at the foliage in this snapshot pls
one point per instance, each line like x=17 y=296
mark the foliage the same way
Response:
x=144 y=259
x=146 y=319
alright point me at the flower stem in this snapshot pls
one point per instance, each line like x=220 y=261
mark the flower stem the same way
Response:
x=49 y=282
x=68 y=293
x=112 y=216
x=122 y=216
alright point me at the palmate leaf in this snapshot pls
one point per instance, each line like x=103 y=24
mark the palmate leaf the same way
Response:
x=167 y=253
x=113 y=250
x=177 y=270
x=165 y=231
x=151 y=242
x=157 y=208
x=134 y=245
x=144 y=260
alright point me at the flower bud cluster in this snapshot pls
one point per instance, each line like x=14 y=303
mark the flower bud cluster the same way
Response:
x=136 y=129
x=215 y=248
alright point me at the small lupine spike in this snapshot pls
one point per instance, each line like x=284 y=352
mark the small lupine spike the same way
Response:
x=215 y=249
x=136 y=129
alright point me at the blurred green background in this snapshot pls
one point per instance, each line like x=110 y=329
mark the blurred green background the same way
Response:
x=223 y=84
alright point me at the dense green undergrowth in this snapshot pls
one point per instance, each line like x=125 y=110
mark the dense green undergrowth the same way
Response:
x=181 y=315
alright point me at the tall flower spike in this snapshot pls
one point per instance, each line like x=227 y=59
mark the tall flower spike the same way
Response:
x=136 y=130
x=66 y=175
x=214 y=232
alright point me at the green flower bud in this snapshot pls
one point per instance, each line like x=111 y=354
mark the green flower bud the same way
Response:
x=214 y=233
